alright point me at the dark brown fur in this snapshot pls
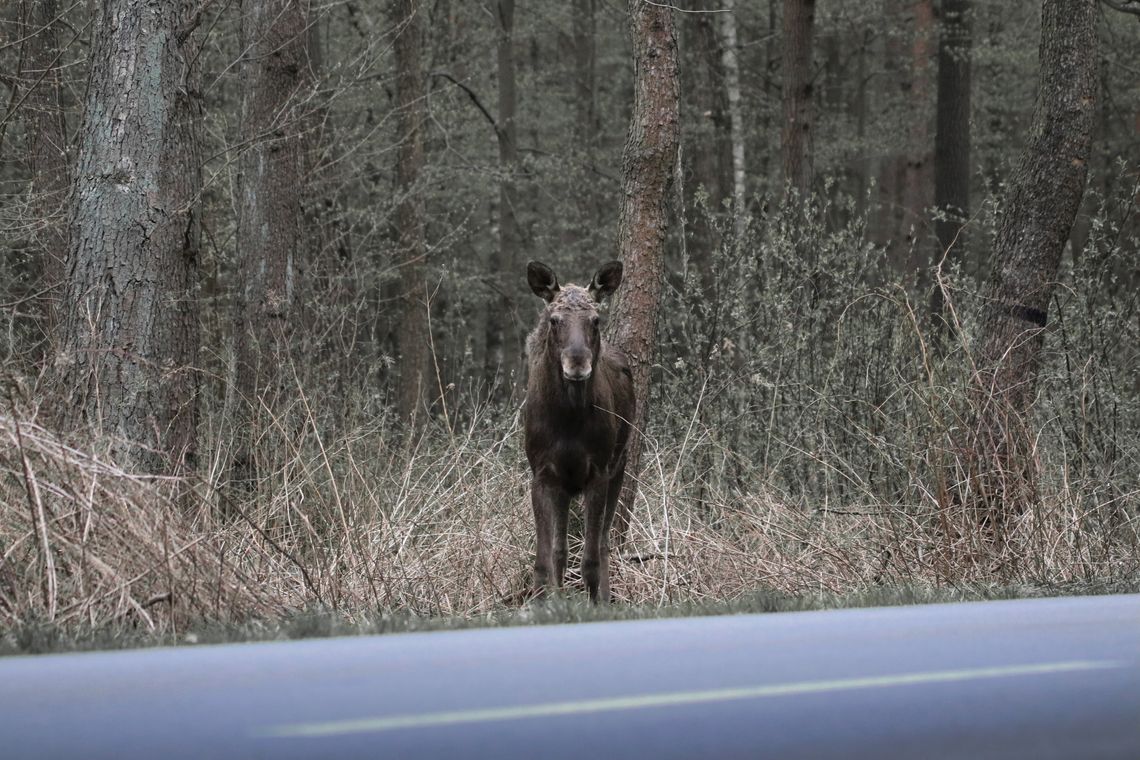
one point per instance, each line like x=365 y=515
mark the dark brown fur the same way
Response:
x=578 y=407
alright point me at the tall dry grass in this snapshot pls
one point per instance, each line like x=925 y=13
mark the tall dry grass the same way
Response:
x=440 y=525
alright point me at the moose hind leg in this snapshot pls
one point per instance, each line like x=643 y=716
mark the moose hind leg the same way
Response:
x=613 y=492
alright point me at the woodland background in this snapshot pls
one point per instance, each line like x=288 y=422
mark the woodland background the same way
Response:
x=280 y=364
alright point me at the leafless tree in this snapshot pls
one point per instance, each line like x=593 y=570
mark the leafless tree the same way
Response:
x=647 y=167
x=129 y=339
x=413 y=340
x=1040 y=206
x=277 y=82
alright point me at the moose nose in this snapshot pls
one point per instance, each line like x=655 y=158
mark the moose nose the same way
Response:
x=576 y=367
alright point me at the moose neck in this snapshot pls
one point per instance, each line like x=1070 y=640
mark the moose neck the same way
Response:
x=567 y=397
x=578 y=395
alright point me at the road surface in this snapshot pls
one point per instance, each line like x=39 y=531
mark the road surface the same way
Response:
x=1050 y=678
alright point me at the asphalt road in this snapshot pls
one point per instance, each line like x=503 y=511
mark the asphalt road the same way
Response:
x=1053 y=678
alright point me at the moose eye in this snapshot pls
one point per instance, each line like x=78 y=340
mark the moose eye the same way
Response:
x=555 y=320
x=594 y=320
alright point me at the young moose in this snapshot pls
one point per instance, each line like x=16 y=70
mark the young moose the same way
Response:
x=579 y=403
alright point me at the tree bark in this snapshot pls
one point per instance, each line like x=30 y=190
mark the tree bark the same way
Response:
x=891 y=87
x=332 y=304
x=278 y=81
x=951 y=144
x=587 y=125
x=706 y=145
x=1040 y=205
x=647 y=166
x=918 y=185
x=130 y=337
x=47 y=154
x=413 y=340
x=735 y=116
x=796 y=136
x=585 y=75
x=503 y=353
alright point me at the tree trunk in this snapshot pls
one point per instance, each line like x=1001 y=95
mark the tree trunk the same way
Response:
x=278 y=80
x=130 y=336
x=333 y=307
x=502 y=349
x=917 y=175
x=47 y=154
x=859 y=108
x=735 y=116
x=586 y=123
x=795 y=138
x=647 y=165
x=585 y=66
x=891 y=89
x=413 y=341
x=706 y=146
x=951 y=144
x=1040 y=205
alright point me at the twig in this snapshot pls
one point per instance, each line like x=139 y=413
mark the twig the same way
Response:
x=471 y=94
x=1124 y=6
x=39 y=520
x=231 y=504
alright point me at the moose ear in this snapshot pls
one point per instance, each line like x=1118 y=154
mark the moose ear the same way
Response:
x=606 y=280
x=542 y=280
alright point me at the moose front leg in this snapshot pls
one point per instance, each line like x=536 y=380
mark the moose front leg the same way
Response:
x=596 y=548
x=550 y=504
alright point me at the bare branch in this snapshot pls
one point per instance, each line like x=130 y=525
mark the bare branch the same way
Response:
x=1124 y=6
x=192 y=23
x=470 y=93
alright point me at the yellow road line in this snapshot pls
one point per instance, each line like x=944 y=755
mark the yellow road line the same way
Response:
x=647 y=701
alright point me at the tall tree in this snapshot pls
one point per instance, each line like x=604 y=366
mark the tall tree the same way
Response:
x=951 y=140
x=412 y=340
x=332 y=302
x=47 y=149
x=1037 y=216
x=129 y=340
x=707 y=151
x=647 y=165
x=277 y=83
x=918 y=171
x=586 y=122
x=585 y=74
x=796 y=136
x=905 y=177
x=735 y=114
x=502 y=354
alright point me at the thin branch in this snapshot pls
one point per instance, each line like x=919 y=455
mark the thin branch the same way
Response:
x=229 y=503
x=1124 y=6
x=470 y=93
x=672 y=7
x=192 y=23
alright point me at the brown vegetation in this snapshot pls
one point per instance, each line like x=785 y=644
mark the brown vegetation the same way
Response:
x=439 y=526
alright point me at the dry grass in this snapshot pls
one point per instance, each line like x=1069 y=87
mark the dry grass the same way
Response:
x=440 y=525
x=83 y=543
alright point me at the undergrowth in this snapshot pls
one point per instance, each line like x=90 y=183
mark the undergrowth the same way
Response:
x=805 y=451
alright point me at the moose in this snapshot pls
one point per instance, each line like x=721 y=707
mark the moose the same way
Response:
x=579 y=404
